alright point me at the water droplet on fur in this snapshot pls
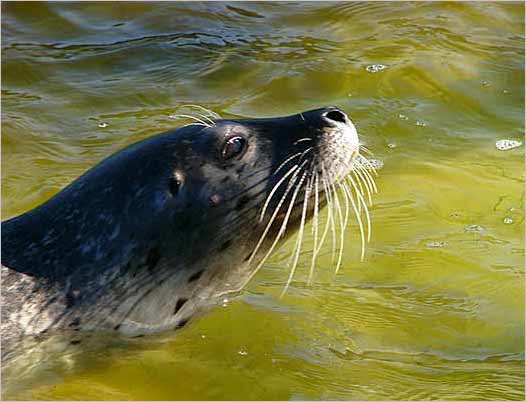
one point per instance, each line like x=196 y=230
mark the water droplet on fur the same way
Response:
x=374 y=68
x=508 y=220
x=506 y=145
x=103 y=125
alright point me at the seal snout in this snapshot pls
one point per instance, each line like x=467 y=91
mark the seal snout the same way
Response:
x=336 y=142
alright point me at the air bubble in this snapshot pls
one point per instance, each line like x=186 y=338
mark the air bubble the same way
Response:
x=474 y=228
x=506 y=145
x=242 y=352
x=436 y=244
x=103 y=125
x=508 y=220
x=421 y=123
x=374 y=68
x=403 y=117
x=392 y=145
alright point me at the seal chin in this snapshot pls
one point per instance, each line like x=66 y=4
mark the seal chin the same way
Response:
x=155 y=233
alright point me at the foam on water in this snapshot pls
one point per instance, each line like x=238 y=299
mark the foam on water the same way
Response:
x=506 y=145
x=375 y=68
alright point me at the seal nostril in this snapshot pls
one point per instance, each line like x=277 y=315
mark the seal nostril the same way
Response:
x=336 y=115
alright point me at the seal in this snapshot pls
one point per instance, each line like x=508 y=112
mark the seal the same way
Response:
x=158 y=231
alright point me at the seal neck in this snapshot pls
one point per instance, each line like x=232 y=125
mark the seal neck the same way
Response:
x=34 y=245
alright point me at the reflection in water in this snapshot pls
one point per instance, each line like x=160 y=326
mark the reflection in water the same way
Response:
x=436 y=310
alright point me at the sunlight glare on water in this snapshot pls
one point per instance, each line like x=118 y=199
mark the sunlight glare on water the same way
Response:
x=435 y=311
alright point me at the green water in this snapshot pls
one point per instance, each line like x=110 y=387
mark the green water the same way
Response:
x=436 y=310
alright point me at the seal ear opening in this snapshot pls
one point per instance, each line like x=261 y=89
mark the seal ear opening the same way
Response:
x=175 y=183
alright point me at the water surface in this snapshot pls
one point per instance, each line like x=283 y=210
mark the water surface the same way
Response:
x=436 y=310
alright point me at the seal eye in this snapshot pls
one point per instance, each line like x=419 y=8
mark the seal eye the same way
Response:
x=233 y=147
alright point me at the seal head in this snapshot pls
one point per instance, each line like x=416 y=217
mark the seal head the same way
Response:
x=154 y=233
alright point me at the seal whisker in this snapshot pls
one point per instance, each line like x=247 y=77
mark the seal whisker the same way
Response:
x=369 y=178
x=299 y=240
x=292 y=180
x=364 y=161
x=281 y=230
x=285 y=162
x=327 y=225
x=285 y=219
x=364 y=149
x=361 y=199
x=211 y=123
x=193 y=124
x=330 y=211
x=306 y=152
x=360 y=179
x=198 y=120
x=274 y=189
x=301 y=140
x=342 y=225
x=359 y=166
x=265 y=206
x=208 y=111
x=206 y=118
x=360 y=225
x=314 y=229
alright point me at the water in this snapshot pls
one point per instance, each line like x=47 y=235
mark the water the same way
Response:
x=436 y=310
